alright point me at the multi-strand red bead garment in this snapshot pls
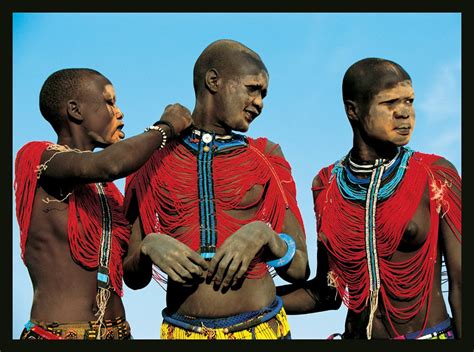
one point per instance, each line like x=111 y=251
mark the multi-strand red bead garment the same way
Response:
x=85 y=217
x=167 y=189
x=342 y=223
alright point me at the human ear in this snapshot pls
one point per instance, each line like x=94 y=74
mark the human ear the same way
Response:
x=212 y=80
x=352 y=110
x=73 y=111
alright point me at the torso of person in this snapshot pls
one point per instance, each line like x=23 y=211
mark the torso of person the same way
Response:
x=413 y=238
x=203 y=299
x=63 y=290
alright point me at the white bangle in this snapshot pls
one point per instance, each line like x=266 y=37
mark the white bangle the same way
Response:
x=163 y=135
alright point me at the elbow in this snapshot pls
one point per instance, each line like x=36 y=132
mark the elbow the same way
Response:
x=134 y=279
x=135 y=283
x=112 y=172
x=110 y=169
x=295 y=274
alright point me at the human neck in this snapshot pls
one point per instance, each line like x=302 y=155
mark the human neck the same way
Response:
x=365 y=154
x=75 y=142
x=205 y=119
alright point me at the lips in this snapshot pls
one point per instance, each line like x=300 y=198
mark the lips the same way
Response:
x=250 y=115
x=403 y=130
x=120 y=133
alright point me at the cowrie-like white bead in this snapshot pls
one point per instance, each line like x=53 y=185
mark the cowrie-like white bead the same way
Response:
x=206 y=138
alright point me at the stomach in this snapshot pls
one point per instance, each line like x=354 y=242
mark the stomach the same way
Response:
x=203 y=299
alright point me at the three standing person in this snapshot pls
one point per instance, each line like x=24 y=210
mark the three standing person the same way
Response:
x=215 y=208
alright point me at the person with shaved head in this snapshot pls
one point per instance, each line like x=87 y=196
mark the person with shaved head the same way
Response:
x=387 y=216
x=217 y=210
x=73 y=232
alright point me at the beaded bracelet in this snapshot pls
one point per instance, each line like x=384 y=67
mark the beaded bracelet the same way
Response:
x=163 y=134
x=170 y=126
x=290 y=252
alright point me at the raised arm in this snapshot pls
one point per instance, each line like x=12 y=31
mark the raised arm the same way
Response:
x=118 y=159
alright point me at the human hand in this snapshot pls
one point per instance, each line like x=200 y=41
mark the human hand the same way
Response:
x=174 y=258
x=232 y=259
x=178 y=116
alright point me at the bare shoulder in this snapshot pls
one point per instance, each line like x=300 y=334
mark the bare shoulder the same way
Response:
x=316 y=181
x=445 y=163
x=273 y=148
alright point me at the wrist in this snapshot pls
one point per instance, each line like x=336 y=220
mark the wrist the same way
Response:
x=164 y=135
x=168 y=126
x=290 y=252
x=145 y=245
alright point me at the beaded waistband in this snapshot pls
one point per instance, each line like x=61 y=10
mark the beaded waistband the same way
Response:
x=115 y=329
x=229 y=324
x=441 y=331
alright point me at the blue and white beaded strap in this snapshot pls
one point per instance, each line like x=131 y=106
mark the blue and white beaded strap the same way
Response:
x=206 y=197
x=206 y=145
x=290 y=252
x=105 y=240
x=370 y=233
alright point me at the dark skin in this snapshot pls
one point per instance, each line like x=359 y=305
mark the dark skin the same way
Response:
x=217 y=288
x=64 y=291
x=381 y=126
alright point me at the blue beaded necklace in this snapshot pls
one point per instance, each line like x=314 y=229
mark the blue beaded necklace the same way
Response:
x=206 y=145
x=355 y=188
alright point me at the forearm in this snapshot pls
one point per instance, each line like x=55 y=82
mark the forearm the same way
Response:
x=298 y=268
x=127 y=156
x=308 y=297
x=115 y=161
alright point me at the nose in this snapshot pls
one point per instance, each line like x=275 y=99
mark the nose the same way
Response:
x=118 y=113
x=258 y=102
x=403 y=112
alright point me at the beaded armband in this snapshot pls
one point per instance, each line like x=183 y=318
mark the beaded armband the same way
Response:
x=163 y=134
x=290 y=252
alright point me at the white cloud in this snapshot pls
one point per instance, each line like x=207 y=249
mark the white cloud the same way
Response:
x=442 y=99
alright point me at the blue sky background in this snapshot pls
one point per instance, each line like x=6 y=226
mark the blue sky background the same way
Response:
x=149 y=58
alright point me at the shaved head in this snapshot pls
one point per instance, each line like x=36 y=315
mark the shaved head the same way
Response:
x=60 y=87
x=228 y=57
x=365 y=78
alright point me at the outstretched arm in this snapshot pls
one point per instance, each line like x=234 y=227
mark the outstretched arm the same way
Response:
x=314 y=295
x=117 y=160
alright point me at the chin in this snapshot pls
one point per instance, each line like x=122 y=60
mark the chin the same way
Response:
x=242 y=128
x=402 y=143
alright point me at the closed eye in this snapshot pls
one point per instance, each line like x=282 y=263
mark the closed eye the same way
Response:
x=253 y=88
x=389 y=102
